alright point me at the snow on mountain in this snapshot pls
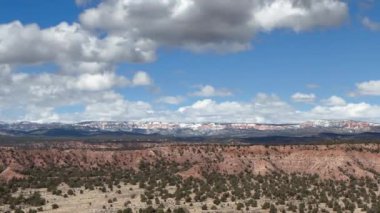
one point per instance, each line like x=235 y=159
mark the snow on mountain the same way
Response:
x=341 y=124
x=203 y=129
x=114 y=125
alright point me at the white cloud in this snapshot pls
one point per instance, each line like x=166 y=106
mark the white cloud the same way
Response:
x=211 y=25
x=303 y=98
x=85 y=67
x=36 y=97
x=100 y=81
x=5 y=69
x=141 y=79
x=368 y=88
x=207 y=109
x=210 y=91
x=112 y=106
x=265 y=108
x=270 y=109
x=372 y=25
x=64 y=43
x=41 y=114
x=174 y=100
x=131 y=31
x=300 y=15
x=334 y=101
x=355 y=111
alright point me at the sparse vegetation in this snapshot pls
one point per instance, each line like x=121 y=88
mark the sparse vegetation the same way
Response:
x=155 y=183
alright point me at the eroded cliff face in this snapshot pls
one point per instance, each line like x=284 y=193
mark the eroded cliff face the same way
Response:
x=328 y=161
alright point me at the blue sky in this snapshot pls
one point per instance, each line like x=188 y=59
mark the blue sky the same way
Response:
x=291 y=68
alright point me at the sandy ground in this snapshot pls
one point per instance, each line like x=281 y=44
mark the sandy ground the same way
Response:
x=96 y=201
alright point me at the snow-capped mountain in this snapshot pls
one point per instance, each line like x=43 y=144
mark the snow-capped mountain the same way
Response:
x=345 y=124
x=192 y=129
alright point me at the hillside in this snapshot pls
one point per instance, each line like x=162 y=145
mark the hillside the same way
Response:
x=328 y=161
x=159 y=177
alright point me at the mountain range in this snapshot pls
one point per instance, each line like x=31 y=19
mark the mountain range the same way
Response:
x=239 y=130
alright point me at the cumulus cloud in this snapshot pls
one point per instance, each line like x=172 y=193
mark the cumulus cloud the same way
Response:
x=355 y=111
x=372 y=25
x=75 y=67
x=334 y=101
x=129 y=30
x=208 y=109
x=303 y=98
x=98 y=81
x=113 y=106
x=265 y=108
x=271 y=109
x=141 y=79
x=368 y=88
x=106 y=106
x=36 y=96
x=300 y=15
x=200 y=25
x=29 y=44
x=41 y=114
x=195 y=25
x=174 y=100
x=210 y=91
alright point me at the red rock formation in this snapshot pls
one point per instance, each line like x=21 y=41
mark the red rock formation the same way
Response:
x=9 y=174
x=334 y=161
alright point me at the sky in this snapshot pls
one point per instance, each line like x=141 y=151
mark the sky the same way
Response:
x=259 y=61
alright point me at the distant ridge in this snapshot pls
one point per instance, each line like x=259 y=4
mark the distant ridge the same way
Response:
x=207 y=129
